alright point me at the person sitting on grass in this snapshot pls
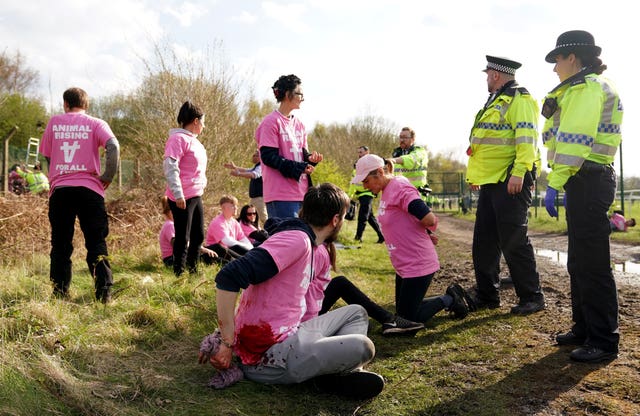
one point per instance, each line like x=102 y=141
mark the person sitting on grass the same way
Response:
x=168 y=234
x=618 y=222
x=273 y=343
x=224 y=235
x=407 y=225
x=249 y=220
x=325 y=292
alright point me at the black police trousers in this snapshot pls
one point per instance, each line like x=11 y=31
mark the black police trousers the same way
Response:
x=501 y=229
x=594 y=297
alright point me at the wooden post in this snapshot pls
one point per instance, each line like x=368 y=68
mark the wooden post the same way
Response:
x=5 y=159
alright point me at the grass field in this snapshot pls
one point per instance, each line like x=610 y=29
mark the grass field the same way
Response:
x=138 y=355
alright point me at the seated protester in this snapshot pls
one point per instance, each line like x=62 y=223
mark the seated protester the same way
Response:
x=274 y=344
x=619 y=223
x=248 y=220
x=224 y=235
x=17 y=184
x=168 y=234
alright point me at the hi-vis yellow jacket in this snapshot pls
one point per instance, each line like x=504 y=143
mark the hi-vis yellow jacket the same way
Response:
x=584 y=118
x=504 y=134
x=414 y=166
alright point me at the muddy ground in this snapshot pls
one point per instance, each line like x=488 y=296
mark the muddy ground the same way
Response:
x=602 y=389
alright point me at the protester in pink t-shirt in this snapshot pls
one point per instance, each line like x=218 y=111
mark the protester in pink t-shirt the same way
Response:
x=224 y=234
x=185 y=165
x=268 y=333
x=407 y=225
x=619 y=223
x=167 y=237
x=71 y=145
x=249 y=220
x=286 y=161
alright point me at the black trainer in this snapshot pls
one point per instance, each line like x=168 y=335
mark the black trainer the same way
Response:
x=459 y=306
x=355 y=385
x=401 y=326
x=569 y=338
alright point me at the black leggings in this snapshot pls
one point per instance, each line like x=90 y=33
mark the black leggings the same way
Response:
x=410 y=301
x=226 y=254
x=341 y=287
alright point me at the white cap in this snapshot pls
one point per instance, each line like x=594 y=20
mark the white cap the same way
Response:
x=365 y=165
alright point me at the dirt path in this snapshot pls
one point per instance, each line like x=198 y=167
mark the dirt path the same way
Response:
x=461 y=231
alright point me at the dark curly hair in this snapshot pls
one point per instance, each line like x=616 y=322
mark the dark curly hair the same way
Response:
x=285 y=84
x=189 y=112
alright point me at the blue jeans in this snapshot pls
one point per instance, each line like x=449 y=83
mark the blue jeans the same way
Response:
x=283 y=209
x=65 y=204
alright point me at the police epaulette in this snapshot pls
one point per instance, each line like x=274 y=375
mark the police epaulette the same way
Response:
x=578 y=81
x=512 y=91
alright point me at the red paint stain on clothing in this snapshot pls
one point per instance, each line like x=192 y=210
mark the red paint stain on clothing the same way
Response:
x=253 y=341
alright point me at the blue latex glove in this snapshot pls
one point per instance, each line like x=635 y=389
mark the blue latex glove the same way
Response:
x=550 y=201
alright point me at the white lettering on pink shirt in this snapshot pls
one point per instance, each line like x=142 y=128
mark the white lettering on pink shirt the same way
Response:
x=71 y=141
x=69 y=150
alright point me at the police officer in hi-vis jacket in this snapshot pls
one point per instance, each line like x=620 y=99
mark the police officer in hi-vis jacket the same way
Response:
x=502 y=155
x=582 y=134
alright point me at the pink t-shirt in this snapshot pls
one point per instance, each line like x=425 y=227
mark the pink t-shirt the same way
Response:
x=184 y=146
x=272 y=310
x=71 y=141
x=220 y=228
x=247 y=229
x=321 y=278
x=410 y=248
x=167 y=233
x=618 y=221
x=289 y=136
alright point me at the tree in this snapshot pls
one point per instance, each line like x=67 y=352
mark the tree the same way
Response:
x=15 y=76
x=141 y=120
x=339 y=142
x=16 y=107
x=27 y=113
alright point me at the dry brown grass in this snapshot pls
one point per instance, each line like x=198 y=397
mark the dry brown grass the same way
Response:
x=134 y=218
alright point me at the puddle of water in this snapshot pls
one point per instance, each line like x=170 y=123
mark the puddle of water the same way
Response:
x=561 y=257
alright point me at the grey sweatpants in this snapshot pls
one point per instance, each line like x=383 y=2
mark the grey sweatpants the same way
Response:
x=335 y=342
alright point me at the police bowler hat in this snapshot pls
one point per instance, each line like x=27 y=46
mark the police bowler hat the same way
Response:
x=573 y=41
x=500 y=64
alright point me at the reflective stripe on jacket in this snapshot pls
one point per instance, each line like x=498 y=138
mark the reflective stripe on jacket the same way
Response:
x=414 y=166
x=504 y=135
x=585 y=126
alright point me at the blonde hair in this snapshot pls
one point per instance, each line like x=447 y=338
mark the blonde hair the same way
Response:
x=228 y=198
